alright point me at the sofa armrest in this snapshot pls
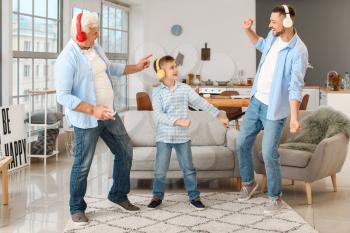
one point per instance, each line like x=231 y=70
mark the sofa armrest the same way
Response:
x=231 y=136
x=328 y=157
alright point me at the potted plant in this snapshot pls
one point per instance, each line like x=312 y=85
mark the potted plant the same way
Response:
x=334 y=80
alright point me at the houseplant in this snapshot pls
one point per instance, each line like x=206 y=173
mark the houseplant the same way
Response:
x=334 y=80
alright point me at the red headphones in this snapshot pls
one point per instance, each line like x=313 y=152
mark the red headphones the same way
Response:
x=81 y=36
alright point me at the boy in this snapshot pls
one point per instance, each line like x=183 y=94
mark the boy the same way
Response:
x=170 y=108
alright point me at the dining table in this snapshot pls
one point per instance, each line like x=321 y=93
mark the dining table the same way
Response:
x=227 y=101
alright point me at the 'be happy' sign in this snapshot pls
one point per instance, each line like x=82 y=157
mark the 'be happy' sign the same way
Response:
x=13 y=135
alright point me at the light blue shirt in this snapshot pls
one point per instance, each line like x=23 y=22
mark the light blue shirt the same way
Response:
x=74 y=82
x=288 y=78
x=170 y=105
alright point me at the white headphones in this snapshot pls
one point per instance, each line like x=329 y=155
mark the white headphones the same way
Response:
x=287 y=21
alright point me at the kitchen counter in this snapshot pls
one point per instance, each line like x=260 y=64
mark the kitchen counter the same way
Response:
x=341 y=91
x=245 y=86
x=226 y=86
x=312 y=90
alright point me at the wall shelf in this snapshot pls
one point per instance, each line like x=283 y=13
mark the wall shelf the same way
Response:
x=45 y=126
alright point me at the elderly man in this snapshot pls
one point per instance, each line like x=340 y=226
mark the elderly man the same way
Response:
x=83 y=82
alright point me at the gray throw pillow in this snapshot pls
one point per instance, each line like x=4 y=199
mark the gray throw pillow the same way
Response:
x=39 y=117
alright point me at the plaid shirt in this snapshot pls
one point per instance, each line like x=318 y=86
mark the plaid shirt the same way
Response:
x=171 y=105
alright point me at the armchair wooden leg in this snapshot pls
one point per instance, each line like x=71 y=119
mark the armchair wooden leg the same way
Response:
x=263 y=184
x=308 y=193
x=292 y=182
x=238 y=184
x=334 y=181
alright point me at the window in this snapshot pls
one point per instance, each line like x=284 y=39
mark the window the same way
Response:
x=37 y=70
x=26 y=71
x=27 y=46
x=114 y=37
x=35 y=39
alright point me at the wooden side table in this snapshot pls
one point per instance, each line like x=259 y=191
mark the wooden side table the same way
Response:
x=3 y=169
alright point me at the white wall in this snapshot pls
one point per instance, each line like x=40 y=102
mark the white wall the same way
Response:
x=6 y=56
x=217 y=22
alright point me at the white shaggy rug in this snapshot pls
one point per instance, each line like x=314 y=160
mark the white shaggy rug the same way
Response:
x=223 y=214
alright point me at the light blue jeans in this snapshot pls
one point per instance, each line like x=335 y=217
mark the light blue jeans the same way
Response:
x=253 y=122
x=184 y=156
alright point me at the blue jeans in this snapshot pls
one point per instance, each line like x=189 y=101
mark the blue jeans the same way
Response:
x=116 y=138
x=253 y=122
x=184 y=156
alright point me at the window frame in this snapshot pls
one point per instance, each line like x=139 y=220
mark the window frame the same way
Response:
x=33 y=55
x=117 y=56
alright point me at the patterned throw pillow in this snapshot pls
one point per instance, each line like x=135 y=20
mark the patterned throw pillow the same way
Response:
x=37 y=147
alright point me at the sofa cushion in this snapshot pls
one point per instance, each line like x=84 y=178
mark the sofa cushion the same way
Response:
x=212 y=158
x=140 y=127
x=206 y=130
x=205 y=158
x=292 y=158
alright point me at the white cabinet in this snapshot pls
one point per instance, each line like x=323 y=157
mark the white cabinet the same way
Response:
x=314 y=97
x=241 y=90
x=339 y=100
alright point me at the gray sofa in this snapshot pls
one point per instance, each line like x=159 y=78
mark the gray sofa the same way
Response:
x=213 y=147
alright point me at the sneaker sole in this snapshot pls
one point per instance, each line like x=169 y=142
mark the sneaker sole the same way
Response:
x=250 y=195
x=157 y=207
x=123 y=209
x=197 y=207
x=272 y=211
x=80 y=223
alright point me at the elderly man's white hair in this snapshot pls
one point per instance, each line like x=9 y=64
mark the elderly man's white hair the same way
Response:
x=88 y=20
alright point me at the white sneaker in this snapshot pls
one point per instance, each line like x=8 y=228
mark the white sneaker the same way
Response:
x=247 y=191
x=273 y=206
x=80 y=219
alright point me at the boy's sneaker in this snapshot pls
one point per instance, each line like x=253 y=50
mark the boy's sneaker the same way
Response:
x=197 y=203
x=247 y=191
x=126 y=206
x=273 y=206
x=80 y=218
x=155 y=202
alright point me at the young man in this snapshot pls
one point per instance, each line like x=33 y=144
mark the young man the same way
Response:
x=276 y=92
x=170 y=107
x=83 y=82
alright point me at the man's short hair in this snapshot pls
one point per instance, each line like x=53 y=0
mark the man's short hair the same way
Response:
x=280 y=9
